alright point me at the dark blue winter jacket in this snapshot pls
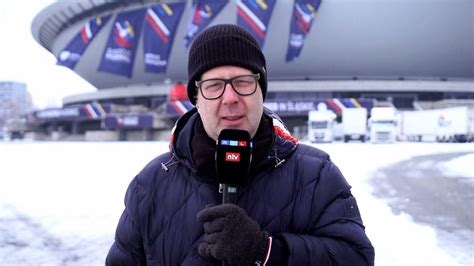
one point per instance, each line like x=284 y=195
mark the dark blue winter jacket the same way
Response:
x=297 y=195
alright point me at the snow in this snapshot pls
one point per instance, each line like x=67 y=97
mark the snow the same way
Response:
x=459 y=167
x=60 y=201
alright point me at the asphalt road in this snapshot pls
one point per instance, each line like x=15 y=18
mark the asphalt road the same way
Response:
x=418 y=188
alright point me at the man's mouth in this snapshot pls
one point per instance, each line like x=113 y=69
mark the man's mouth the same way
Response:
x=232 y=118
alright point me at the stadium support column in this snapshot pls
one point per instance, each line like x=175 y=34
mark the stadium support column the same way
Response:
x=149 y=134
x=122 y=135
x=75 y=128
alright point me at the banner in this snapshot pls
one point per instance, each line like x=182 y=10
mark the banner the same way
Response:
x=119 y=52
x=292 y=107
x=204 y=11
x=128 y=121
x=254 y=15
x=304 y=11
x=160 y=28
x=92 y=110
x=178 y=108
x=73 y=51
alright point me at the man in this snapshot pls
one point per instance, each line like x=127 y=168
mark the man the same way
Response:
x=295 y=209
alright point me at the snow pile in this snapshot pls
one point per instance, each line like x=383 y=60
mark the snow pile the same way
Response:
x=459 y=167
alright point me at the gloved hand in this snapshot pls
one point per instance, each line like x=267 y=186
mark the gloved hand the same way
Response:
x=231 y=236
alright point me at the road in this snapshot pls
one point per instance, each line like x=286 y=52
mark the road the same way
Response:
x=418 y=188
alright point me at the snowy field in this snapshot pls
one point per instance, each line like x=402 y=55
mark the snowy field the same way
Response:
x=60 y=202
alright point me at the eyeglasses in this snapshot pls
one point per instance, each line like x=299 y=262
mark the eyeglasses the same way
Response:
x=244 y=85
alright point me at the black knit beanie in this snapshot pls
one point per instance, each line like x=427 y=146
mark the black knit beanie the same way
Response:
x=221 y=45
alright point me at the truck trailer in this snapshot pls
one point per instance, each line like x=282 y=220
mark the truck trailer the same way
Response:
x=354 y=124
x=454 y=124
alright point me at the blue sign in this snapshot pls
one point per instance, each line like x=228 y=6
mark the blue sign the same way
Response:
x=90 y=111
x=203 y=12
x=129 y=121
x=254 y=15
x=71 y=54
x=160 y=28
x=286 y=107
x=119 y=53
x=304 y=12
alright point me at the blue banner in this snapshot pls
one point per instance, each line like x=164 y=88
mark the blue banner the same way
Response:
x=92 y=111
x=160 y=27
x=304 y=12
x=128 y=121
x=119 y=53
x=178 y=108
x=285 y=107
x=203 y=12
x=73 y=51
x=254 y=15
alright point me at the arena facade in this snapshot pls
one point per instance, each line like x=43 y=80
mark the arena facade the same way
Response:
x=409 y=54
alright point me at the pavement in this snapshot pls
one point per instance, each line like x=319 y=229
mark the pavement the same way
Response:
x=417 y=187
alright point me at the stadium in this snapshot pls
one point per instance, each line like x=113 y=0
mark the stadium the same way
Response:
x=410 y=55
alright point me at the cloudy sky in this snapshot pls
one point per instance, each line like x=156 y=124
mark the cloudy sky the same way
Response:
x=22 y=59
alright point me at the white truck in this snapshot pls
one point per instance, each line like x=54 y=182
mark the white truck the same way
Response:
x=15 y=128
x=320 y=125
x=354 y=124
x=418 y=125
x=383 y=125
x=454 y=124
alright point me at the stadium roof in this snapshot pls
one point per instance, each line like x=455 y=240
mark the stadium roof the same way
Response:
x=349 y=39
x=56 y=18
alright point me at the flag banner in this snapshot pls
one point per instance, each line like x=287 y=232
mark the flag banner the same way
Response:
x=285 y=107
x=178 y=108
x=203 y=12
x=159 y=31
x=128 y=121
x=73 y=51
x=119 y=52
x=304 y=12
x=254 y=15
x=92 y=110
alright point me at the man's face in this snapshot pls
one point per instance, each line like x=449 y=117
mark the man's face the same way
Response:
x=230 y=110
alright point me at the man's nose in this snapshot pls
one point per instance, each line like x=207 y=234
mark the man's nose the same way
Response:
x=229 y=96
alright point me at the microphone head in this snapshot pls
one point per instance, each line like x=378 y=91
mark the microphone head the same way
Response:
x=233 y=156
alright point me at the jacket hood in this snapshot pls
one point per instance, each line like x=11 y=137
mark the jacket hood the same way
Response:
x=282 y=146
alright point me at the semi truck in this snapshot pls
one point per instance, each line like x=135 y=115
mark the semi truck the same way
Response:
x=320 y=125
x=15 y=128
x=383 y=125
x=354 y=124
x=454 y=124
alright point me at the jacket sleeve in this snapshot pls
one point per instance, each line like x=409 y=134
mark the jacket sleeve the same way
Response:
x=127 y=248
x=337 y=235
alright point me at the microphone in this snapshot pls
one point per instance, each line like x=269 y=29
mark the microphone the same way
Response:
x=233 y=156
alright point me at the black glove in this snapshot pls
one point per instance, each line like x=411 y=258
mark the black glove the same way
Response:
x=231 y=236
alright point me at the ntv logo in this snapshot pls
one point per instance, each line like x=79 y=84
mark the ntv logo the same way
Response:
x=232 y=157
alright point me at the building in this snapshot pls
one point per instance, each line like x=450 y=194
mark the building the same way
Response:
x=355 y=54
x=15 y=100
x=15 y=103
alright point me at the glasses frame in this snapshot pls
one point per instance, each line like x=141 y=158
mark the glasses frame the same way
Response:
x=228 y=81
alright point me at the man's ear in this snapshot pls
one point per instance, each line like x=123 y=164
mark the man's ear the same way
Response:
x=197 y=106
x=197 y=103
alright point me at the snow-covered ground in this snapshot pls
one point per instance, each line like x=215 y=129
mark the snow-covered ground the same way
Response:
x=60 y=201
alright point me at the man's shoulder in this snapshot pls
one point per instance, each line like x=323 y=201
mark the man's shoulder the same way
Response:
x=312 y=152
x=153 y=167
